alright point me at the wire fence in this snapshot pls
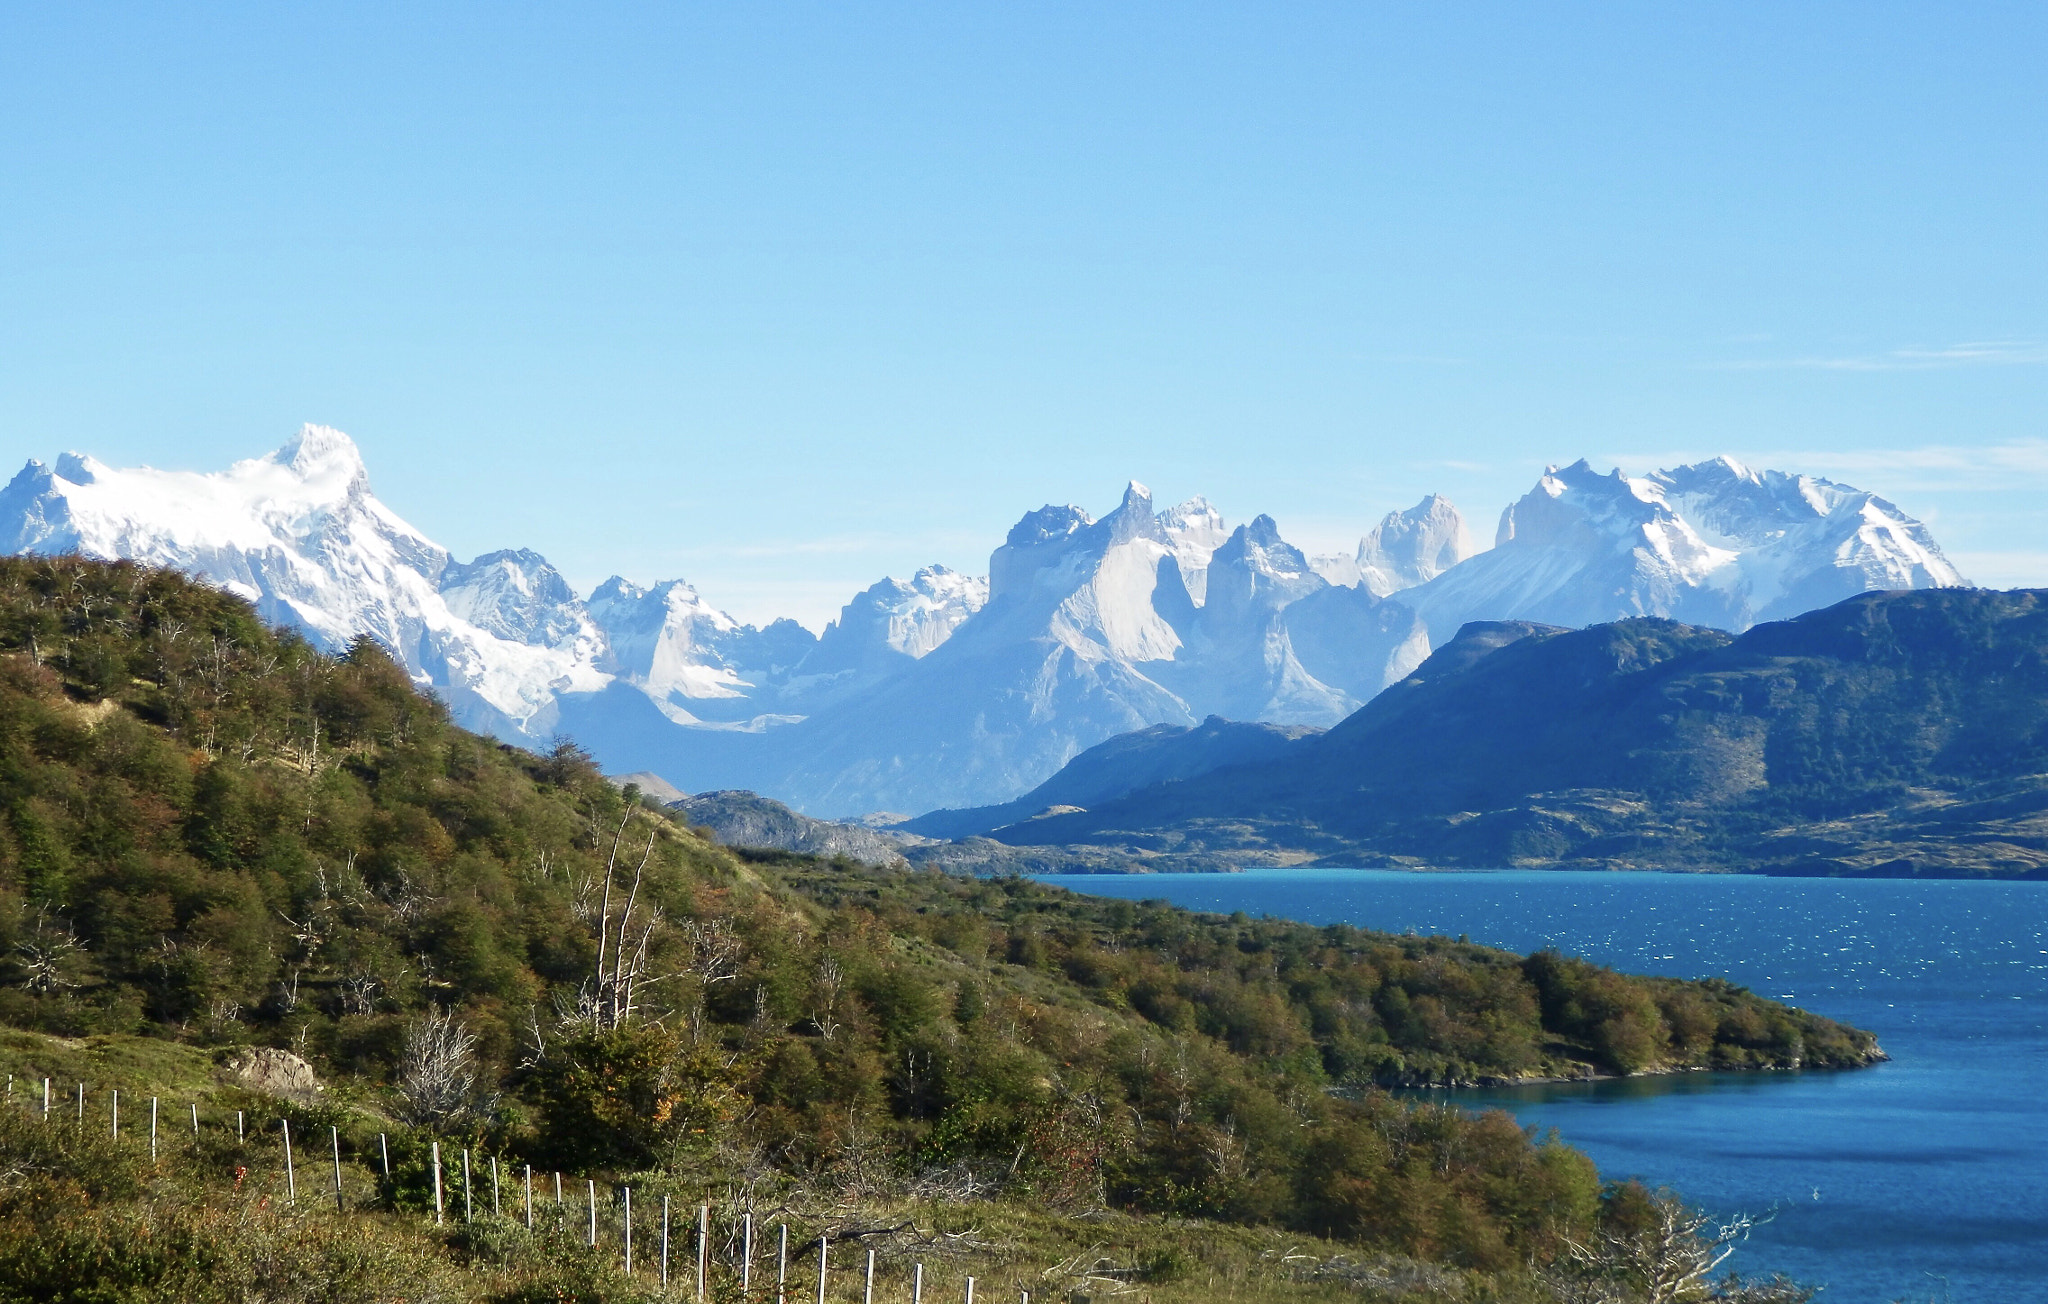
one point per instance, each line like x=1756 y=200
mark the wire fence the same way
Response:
x=691 y=1251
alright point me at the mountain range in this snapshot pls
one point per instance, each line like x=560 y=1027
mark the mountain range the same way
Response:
x=950 y=690
x=1900 y=733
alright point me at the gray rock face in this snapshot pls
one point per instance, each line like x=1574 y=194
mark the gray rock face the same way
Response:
x=1413 y=547
x=273 y=1072
x=745 y=819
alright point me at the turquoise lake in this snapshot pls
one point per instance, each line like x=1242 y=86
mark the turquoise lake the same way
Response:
x=1924 y=1179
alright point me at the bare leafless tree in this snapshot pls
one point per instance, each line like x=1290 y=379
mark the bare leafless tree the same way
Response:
x=830 y=979
x=437 y=1078
x=611 y=994
x=1671 y=1261
x=47 y=956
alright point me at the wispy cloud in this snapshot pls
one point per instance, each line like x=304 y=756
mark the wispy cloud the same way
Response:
x=1980 y=353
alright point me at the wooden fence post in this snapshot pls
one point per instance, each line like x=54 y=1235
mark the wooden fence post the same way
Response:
x=747 y=1259
x=291 y=1180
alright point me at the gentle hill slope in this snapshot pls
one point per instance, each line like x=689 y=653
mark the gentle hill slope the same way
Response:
x=215 y=836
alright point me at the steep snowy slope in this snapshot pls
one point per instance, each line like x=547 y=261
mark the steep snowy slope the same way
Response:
x=1713 y=544
x=1050 y=666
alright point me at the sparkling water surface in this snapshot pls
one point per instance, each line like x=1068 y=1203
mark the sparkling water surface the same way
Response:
x=1923 y=1179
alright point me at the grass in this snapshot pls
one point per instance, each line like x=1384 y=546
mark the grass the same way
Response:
x=85 y=1216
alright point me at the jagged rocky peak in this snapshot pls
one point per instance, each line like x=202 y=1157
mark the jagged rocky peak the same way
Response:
x=1195 y=530
x=1255 y=567
x=899 y=618
x=1413 y=547
x=1033 y=543
x=1577 y=507
x=1133 y=518
x=1049 y=524
x=924 y=612
x=324 y=453
x=515 y=594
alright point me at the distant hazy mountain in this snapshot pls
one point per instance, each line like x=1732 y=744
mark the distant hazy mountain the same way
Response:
x=1405 y=549
x=1891 y=733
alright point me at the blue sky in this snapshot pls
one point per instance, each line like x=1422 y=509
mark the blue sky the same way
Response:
x=784 y=298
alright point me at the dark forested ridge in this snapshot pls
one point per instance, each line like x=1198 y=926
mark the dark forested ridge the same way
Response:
x=1164 y=753
x=212 y=834
x=1894 y=733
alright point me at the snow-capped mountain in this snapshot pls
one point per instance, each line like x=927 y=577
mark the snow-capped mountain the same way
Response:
x=504 y=638
x=1711 y=544
x=898 y=620
x=1089 y=631
x=300 y=535
x=1277 y=642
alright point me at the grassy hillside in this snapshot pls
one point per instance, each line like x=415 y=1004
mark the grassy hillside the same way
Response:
x=1894 y=733
x=213 y=837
